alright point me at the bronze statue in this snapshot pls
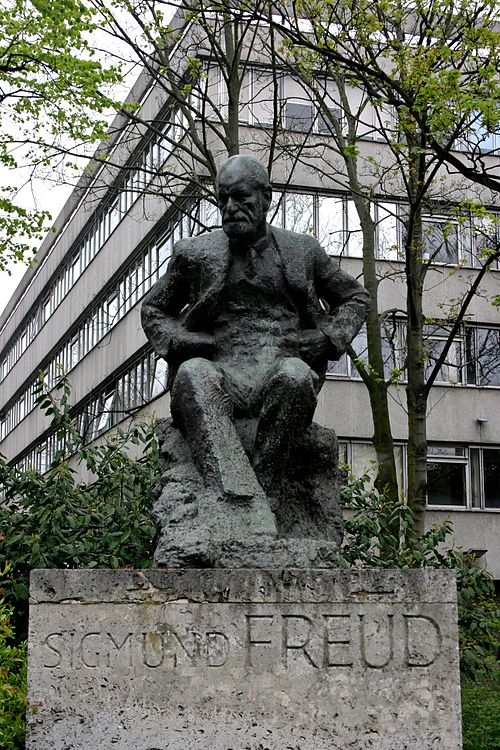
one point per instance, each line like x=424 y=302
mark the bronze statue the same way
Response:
x=247 y=319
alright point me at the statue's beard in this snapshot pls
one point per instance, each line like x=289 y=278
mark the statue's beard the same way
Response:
x=237 y=229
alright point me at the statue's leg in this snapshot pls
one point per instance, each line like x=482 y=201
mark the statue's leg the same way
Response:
x=202 y=410
x=288 y=405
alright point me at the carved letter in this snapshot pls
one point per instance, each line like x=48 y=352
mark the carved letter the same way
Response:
x=155 y=642
x=423 y=640
x=373 y=635
x=304 y=641
x=217 y=648
x=54 y=650
x=328 y=660
x=119 y=646
x=83 y=654
x=251 y=641
x=176 y=639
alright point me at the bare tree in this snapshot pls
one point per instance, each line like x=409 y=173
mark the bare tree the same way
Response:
x=426 y=63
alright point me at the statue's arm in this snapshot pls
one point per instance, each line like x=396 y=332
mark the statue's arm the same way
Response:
x=348 y=302
x=161 y=314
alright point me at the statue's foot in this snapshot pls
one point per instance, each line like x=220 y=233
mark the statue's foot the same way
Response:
x=237 y=497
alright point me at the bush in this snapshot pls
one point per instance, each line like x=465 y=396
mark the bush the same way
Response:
x=481 y=713
x=57 y=521
x=379 y=533
x=12 y=683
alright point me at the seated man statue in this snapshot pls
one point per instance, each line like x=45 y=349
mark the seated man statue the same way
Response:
x=247 y=319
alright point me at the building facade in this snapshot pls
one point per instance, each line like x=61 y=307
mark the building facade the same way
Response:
x=78 y=310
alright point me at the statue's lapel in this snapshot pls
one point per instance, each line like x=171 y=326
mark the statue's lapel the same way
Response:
x=213 y=272
x=294 y=263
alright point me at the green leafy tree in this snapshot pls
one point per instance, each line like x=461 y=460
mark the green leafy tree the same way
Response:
x=53 y=95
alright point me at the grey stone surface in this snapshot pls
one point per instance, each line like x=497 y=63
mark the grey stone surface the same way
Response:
x=247 y=319
x=300 y=527
x=244 y=660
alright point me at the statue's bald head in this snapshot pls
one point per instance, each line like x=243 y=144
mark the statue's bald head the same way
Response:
x=244 y=196
x=246 y=167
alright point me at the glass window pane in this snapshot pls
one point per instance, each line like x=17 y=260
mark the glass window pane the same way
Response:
x=364 y=460
x=360 y=346
x=275 y=213
x=445 y=450
x=299 y=116
x=355 y=236
x=331 y=224
x=446 y=483
x=299 y=213
x=387 y=232
x=340 y=367
x=488 y=356
x=491 y=462
x=160 y=378
x=475 y=474
x=440 y=241
x=393 y=348
x=450 y=371
x=263 y=108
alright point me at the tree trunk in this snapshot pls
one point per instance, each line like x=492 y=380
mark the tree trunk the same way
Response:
x=374 y=377
x=416 y=394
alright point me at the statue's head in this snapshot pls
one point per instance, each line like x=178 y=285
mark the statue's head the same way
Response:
x=244 y=196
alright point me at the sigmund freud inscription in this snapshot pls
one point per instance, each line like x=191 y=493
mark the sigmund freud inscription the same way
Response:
x=318 y=639
x=240 y=659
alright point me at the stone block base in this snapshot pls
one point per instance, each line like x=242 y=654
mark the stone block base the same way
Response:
x=243 y=660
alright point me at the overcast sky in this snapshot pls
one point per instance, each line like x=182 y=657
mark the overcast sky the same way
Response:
x=54 y=198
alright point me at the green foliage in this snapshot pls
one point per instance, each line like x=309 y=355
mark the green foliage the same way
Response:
x=379 y=533
x=481 y=713
x=53 y=93
x=12 y=682
x=59 y=521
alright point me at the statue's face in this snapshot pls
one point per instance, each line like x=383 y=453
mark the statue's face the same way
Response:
x=243 y=204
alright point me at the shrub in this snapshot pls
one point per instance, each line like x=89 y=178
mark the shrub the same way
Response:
x=58 y=521
x=481 y=713
x=378 y=533
x=12 y=683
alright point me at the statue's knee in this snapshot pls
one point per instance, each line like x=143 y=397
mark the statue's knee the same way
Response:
x=194 y=370
x=296 y=373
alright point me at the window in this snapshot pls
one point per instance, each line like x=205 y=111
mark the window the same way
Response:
x=441 y=243
x=491 y=472
x=330 y=231
x=362 y=460
x=299 y=212
x=159 y=378
x=451 y=371
x=263 y=97
x=345 y=366
x=324 y=121
x=463 y=476
x=483 y=356
x=299 y=116
x=387 y=231
x=354 y=233
x=446 y=476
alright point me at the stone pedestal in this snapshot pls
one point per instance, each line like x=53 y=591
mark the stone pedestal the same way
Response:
x=243 y=660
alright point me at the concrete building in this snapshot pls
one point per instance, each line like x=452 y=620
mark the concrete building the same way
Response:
x=77 y=310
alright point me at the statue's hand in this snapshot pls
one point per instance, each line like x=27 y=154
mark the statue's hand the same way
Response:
x=194 y=344
x=313 y=344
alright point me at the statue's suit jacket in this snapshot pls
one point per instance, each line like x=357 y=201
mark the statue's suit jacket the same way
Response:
x=190 y=295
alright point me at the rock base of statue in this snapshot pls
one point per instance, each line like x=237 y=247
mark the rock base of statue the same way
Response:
x=243 y=660
x=301 y=526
